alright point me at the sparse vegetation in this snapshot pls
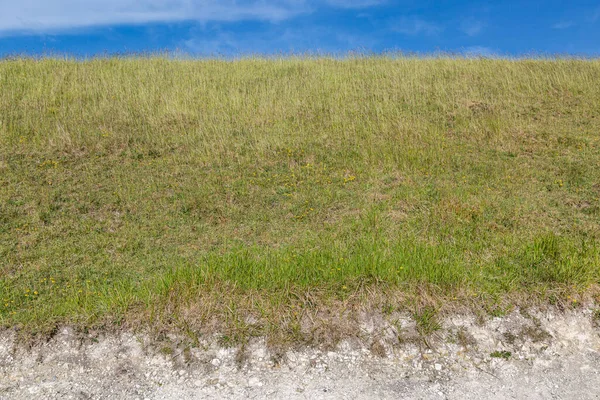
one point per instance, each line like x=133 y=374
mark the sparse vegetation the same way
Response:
x=596 y=318
x=501 y=354
x=378 y=349
x=465 y=339
x=427 y=321
x=192 y=194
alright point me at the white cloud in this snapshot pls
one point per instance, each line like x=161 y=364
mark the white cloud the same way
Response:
x=479 y=51
x=595 y=15
x=416 y=26
x=472 y=27
x=277 y=39
x=354 y=3
x=45 y=16
x=563 y=25
x=55 y=15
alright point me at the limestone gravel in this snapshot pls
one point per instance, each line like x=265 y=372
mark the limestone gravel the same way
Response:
x=544 y=355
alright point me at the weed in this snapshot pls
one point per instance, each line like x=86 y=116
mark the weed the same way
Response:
x=509 y=337
x=427 y=321
x=465 y=339
x=501 y=354
x=535 y=333
x=596 y=318
x=242 y=356
x=378 y=349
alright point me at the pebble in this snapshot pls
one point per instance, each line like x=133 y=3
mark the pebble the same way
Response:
x=254 y=382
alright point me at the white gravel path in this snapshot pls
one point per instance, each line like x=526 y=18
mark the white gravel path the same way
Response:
x=552 y=356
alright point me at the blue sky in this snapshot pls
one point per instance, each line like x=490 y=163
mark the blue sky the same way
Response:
x=238 y=27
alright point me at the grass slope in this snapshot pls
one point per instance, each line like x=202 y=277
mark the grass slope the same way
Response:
x=196 y=193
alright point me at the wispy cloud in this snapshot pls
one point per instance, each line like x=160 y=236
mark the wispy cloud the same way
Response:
x=595 y=14
x=415 y=26
x=49 y=15
x=355 y=3
x=44 y=16
x=563 y=25
x=275 y=39
x=471 y=26
x=229 y=43
x=479 y=51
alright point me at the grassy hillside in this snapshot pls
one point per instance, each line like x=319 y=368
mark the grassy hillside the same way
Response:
x=196 y=193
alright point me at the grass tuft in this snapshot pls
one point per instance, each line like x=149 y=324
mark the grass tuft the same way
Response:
x=501 y=354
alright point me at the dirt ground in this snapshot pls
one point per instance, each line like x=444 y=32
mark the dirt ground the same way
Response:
x=545 y=355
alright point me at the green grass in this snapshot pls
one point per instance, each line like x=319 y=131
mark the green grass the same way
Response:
x=196 y=193
x=501 y=354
